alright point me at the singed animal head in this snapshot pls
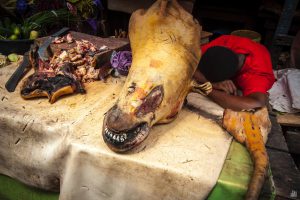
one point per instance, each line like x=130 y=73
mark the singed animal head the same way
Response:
x=166 y=51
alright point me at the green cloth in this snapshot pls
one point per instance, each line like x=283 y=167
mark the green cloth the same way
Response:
x=231 y=185
x=11 y=189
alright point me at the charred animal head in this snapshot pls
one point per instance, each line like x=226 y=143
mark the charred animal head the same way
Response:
x=165 y=49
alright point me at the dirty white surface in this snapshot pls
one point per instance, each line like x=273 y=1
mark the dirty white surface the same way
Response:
x=60 y=147
x=285 y=93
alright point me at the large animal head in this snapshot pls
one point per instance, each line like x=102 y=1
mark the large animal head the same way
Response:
x=165 y=43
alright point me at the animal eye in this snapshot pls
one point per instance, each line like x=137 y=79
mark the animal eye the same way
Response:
x=151 y=102
x=131 y=88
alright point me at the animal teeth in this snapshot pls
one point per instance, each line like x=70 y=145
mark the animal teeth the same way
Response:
x=115 y=137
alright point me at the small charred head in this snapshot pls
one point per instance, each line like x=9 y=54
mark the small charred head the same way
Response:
x=49 y=85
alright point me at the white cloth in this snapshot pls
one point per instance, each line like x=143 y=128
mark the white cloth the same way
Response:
x=60 y=147
x=285 y=93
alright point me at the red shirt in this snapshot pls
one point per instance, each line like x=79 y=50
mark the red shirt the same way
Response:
x=256 y=75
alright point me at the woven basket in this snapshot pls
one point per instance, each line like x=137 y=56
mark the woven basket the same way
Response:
x=253 y=35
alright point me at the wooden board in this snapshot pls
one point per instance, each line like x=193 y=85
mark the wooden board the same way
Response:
x=289 y=119
x=293 y=141
x=276 y=139
x=111 y=43
x=286 y=176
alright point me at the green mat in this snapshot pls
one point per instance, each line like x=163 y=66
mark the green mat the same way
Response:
x=11 y=189
x=231 y=185
x=235 y=176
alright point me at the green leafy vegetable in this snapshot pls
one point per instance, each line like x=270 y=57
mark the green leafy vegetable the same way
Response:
x=35 y=24
x=45 y=19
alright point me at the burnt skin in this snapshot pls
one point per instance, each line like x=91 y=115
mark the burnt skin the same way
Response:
x=151 y=102
x=47 y=85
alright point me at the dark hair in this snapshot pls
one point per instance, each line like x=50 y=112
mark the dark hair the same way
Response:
x=218 y=64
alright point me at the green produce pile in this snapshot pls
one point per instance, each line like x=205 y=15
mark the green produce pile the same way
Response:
x=12 y=31
x=33 y=26
x=4 y=60
x=13 y=57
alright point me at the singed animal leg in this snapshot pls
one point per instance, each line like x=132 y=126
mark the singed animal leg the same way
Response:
x=249 y=128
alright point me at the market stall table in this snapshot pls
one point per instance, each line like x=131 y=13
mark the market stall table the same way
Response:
x=59 y=147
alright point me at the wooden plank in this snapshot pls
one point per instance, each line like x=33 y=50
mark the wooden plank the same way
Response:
x=286 y=176
x=293 y=141
x=295 y=52
x=289 y=119
x=283 y=27
x=284 y=40
x=276 y=139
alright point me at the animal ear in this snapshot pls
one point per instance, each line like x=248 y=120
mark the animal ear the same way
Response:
x=203 y=89
x=163 y=5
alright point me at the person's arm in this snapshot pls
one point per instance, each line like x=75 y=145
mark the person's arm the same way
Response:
x=227 y=85
x=238 y=103
x=224 y=92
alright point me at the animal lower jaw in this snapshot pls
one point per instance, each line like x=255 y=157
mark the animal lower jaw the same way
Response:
x=123 y=141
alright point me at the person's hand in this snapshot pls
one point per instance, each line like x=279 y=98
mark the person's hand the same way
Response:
x=226 y=86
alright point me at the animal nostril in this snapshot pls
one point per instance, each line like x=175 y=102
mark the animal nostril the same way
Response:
x=117 y=120
x=113 y=114
x=113 y=117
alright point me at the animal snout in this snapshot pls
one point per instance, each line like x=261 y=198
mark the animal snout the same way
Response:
x=117 y=120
